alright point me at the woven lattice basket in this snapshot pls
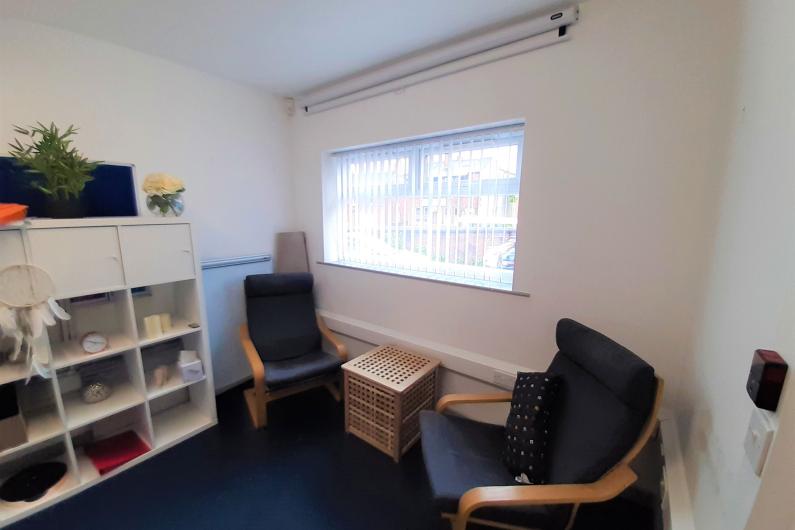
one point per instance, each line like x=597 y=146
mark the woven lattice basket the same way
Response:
x=385 y=389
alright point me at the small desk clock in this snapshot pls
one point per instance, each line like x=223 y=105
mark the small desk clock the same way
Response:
x=93 y=342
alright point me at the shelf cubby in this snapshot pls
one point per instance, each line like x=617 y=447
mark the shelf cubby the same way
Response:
x=53 y=450
x=173 y=384
x=178 y=299
x=167 y=354
x=134 y=419
x=109 y=314
x=40 y=412
x=71 y=354
x=176 y=416
x=122 y=374
x=179 y=328
x=12 y=371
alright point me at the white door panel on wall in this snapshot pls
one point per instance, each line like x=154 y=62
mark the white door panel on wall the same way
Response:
x=79 y=260
x=12 y=251
x=157 y=254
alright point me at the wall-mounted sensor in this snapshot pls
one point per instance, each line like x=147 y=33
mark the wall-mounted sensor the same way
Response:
x=768 y=371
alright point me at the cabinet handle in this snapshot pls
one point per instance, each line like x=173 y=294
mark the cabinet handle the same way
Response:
x=186 y=250
x=114 y=258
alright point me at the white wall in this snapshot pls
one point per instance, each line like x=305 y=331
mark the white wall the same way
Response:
x=625 y=131
x=751 y=290
x=225 y=140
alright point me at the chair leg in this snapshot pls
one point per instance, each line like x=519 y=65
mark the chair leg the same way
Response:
x=334 y=391
x=573 y=516
x=257 y=408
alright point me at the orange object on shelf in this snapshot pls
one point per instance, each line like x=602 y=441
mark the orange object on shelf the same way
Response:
x=10 y=213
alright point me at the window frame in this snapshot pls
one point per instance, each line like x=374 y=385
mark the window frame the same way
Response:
x=418 y=145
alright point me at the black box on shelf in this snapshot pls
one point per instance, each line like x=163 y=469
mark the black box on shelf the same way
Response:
x=12 y=425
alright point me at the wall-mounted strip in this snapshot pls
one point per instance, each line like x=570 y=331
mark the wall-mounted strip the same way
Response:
x=231 y=262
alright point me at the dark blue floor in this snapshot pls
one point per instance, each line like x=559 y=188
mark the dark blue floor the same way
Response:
x=302 y=472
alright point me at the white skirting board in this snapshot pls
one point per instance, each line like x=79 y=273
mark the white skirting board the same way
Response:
x=677 y=508
x=464 y=362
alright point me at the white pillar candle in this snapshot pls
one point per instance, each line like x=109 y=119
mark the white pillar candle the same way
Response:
x=165 y=322
x=152 y=326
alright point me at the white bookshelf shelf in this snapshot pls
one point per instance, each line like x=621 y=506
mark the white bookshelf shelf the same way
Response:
x=179 y=328
x=58 y=422
x=72 y=354
x=178 y=423
x=41 y=426
x=173 y=384
x=85 y=468
x=80 y=413
x=12 y=372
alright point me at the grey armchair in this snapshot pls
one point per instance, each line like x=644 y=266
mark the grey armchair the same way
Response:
x=282 y=341
x=607 y=412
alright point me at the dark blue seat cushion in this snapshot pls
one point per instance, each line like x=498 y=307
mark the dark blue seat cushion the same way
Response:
x=286 y=372
x=461 y=454
x=280 y=310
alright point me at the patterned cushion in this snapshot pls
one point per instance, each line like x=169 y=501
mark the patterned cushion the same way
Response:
x=528 y=427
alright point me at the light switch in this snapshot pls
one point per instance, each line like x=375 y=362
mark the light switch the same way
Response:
x=758 y=439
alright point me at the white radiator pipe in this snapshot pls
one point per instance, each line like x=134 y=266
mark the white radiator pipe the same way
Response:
x=501 y=43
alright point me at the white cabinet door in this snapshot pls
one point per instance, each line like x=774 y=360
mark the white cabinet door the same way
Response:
x=12 y=252
x=79 y=260
x=157 y=254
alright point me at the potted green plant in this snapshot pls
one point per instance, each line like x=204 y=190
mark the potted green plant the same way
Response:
x=56 y=169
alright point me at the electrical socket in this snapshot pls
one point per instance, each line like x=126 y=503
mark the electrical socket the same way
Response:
x=504 y=379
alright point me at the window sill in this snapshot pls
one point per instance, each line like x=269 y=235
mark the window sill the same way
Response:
x=462 y=283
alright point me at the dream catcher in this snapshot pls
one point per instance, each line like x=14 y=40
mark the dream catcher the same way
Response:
x=26 y=307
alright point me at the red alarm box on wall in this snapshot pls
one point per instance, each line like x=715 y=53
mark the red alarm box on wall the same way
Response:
x=768 y=371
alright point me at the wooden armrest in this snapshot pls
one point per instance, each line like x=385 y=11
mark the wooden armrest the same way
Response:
x=460 y=399
x=342 y=350
x=609 y=486
x=257 y=368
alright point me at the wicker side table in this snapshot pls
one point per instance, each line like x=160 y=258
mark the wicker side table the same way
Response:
x=385 y=390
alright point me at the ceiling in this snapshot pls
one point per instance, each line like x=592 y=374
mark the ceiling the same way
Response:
x=285 y=46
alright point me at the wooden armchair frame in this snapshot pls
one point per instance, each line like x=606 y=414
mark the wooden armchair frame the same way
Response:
x=609 y=486
x=258 y=397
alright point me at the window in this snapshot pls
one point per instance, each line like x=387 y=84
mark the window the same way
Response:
x=441 y=207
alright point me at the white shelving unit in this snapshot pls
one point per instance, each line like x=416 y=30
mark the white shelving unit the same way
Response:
x=109 y=274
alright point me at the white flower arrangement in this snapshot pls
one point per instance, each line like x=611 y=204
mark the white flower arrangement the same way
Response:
x=163 y=193
x=162 y=184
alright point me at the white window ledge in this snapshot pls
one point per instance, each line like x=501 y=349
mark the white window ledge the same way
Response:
x=471 y=283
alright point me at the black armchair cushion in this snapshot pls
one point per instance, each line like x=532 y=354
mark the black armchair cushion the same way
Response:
x=258 y=285
x=626 y=375
x=461 y=454
x=280 y=309
x=530 y=421
x=286 y=372
x=605 y=399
